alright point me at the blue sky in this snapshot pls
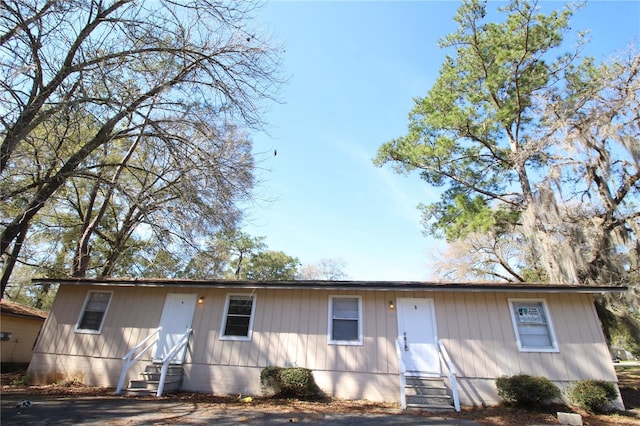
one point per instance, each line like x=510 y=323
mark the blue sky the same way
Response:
x=353 y=70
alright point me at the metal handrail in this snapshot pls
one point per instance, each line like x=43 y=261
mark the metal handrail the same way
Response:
x=452 y=374
x=166 y=360
x=403 y=380
x=128 y=361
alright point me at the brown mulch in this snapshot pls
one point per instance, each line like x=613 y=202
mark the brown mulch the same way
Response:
x=499 y=416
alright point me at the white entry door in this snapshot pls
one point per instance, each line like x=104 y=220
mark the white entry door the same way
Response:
x=418 y=336
x=177 y=316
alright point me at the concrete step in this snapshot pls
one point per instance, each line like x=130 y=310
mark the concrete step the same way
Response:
x=154 y=377
x=428 y=407
x=429 y=400
x=427 y=393
x=150 y=382
x=138 y=385
x=157 y=368
x=424 y=381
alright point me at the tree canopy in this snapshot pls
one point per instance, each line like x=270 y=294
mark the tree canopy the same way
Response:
x=536 y=150
x=125 y=115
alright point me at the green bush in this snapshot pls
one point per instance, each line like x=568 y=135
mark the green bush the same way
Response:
x=23 y=380
x=593 y=395
x=289 y=383
x=270 y=380
x=525 y=390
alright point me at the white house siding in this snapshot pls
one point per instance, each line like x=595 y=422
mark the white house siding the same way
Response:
x=290 y=329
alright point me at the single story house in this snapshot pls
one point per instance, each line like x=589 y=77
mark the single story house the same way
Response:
x=377 y=341
x=19 y=328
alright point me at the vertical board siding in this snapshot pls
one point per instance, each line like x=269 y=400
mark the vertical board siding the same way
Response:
x=453 y=336
x=261 y=340
x=479 y=336
x=492 y=334
x=24 y=332
x=290 y=329
x=303 y=329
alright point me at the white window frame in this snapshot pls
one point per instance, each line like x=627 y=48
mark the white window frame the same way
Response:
x=84 y=307
x=549 y=324
x=223 y=325
x=355 y=342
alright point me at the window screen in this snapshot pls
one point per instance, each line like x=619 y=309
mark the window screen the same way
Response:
x=94 y=311
x=345 y=319
x=238 y=316
x=532 y=324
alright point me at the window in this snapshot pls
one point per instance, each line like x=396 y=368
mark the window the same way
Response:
x=94 y=312
x=237 y=323
x=345 y=320
x=532 y=325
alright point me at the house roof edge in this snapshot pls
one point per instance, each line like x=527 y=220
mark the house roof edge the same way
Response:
x=14 y=309
x=338 y=285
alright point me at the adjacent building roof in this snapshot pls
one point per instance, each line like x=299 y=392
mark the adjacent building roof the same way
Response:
x=8 y=307
x=340 y=285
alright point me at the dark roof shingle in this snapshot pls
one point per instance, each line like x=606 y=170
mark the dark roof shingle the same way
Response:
x=8 y=307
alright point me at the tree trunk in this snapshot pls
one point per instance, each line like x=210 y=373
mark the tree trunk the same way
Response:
x=12 y=258
x=83 y=251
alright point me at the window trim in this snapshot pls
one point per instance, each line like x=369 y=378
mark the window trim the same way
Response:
x=360 y=339
x=223 y=324
x=552 y=334
x=83 y=310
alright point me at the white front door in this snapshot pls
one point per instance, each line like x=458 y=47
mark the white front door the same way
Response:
x=176 y=318
x=418 y=336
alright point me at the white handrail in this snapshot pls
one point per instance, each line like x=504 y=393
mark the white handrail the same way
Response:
x=128 y=362
x=403 y=379
x=166 y=360
x=452 y=374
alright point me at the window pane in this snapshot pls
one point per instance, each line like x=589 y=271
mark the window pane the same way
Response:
x=98 y=302
x=237 y=326
x=240 y=306
x=345 y=330
x=536 y=341
x=238 y=318
x=91 y=320
x=345 y=308
x=94 y=311
x=532 y=325
x=530 y=313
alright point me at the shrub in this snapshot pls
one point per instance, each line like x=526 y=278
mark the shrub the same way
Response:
x=525 y=390
x=270 y=380
x=23 y=380
x=593 y=395
x=289 y=382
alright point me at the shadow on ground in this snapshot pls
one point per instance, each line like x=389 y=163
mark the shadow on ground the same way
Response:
x=71 y=410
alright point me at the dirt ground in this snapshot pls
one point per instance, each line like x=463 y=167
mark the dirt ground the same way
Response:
x=198 y=408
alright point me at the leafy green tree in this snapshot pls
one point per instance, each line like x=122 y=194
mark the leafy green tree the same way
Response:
x=476 y=133
x=224 y=255
x=242 y=247
x=211 y=261
x=271 y=265
x=526 y=140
